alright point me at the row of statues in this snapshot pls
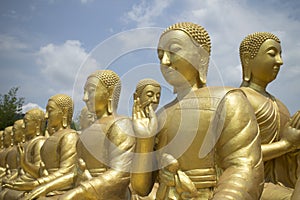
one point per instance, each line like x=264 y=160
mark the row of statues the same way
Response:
x=208 y=143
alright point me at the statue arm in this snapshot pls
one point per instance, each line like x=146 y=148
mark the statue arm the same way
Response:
x=238 y=150
x=275 y=149
x=33 y=167
x=142 y=179
x=68 y=158
x=144 y=162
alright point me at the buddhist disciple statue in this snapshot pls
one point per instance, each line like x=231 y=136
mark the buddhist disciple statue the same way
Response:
x=58 y=153
x=7 y=144
x=260 y=55
x=104 y=149
x=12 y=158
x=147 y=94
x=208 y=145
x=29 y=152
x=86 y=118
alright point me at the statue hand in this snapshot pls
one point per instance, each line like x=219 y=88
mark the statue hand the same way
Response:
x=291 y=132
x=185 y=186
x=144 y=127
x=82 y=172
x=21 y=185
x=21 y=154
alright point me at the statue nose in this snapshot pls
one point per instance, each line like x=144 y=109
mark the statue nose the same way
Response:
x=166 y=59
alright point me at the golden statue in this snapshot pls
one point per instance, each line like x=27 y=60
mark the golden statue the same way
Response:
x=147 y=93
x=2 y=169
x=58 y=153
x=260 y=55
x=12 y=158
x=7 y=145
x=86 y=118
x=104 y=149
x=29 y=152
x=208 y=144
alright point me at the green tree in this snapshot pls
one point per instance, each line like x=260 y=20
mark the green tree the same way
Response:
x=10 y=108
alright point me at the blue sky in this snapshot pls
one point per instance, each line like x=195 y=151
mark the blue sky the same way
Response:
x=50 y=46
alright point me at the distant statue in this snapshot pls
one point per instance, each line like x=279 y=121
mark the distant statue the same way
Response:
x=12 y=159
x=7 y=145
x=280 y=134
x=2 y=169
x=62 y=141
x=104 y=149
x=29 y=152
x=86 y=118
x=208 y=145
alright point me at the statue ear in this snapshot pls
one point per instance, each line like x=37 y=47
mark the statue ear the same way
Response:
x=203 y=73
x=246 y=68
x=65 y=121
x=110 y=106
x=65 y=118
x=37 y=133
x=135 y=96
x=203 y=66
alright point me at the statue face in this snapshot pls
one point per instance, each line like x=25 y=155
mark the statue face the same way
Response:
x=95 y=95
x=54 y=116
x=266 y=64
x=86 y=118
x=30 y=125
x=150 y=95
x=18 y=132
x=179 y=58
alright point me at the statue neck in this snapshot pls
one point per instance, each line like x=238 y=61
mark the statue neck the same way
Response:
x=261 y=88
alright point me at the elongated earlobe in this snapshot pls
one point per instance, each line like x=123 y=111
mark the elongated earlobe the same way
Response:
x=246 y=68
x=110 y=106
x=65 y=122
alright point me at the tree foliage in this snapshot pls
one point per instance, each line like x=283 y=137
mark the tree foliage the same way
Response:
x=10 y=108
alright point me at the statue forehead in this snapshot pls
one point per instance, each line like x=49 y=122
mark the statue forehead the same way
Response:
x=174 y=36
x=152 y=88
x=270 y=43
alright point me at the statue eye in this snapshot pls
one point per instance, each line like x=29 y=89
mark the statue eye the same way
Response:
x=150 y=94
x=160 y=53
x=175 y=48
x=271 y=52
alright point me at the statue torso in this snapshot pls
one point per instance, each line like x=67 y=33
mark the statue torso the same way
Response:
x=50 y=152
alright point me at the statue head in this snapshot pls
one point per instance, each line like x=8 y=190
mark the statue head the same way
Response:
x=184 y=50
x=101 y=92
x=8 y=137
x=148 y=91
x=59 y=113
x=18 y=131
x=34 y=123
x=260 y=55
x=86 y=118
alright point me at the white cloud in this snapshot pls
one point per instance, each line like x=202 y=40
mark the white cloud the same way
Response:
x=60 y=63
x=10 y=43
x=145 y=12
x=86 y=1
x=30 y=106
